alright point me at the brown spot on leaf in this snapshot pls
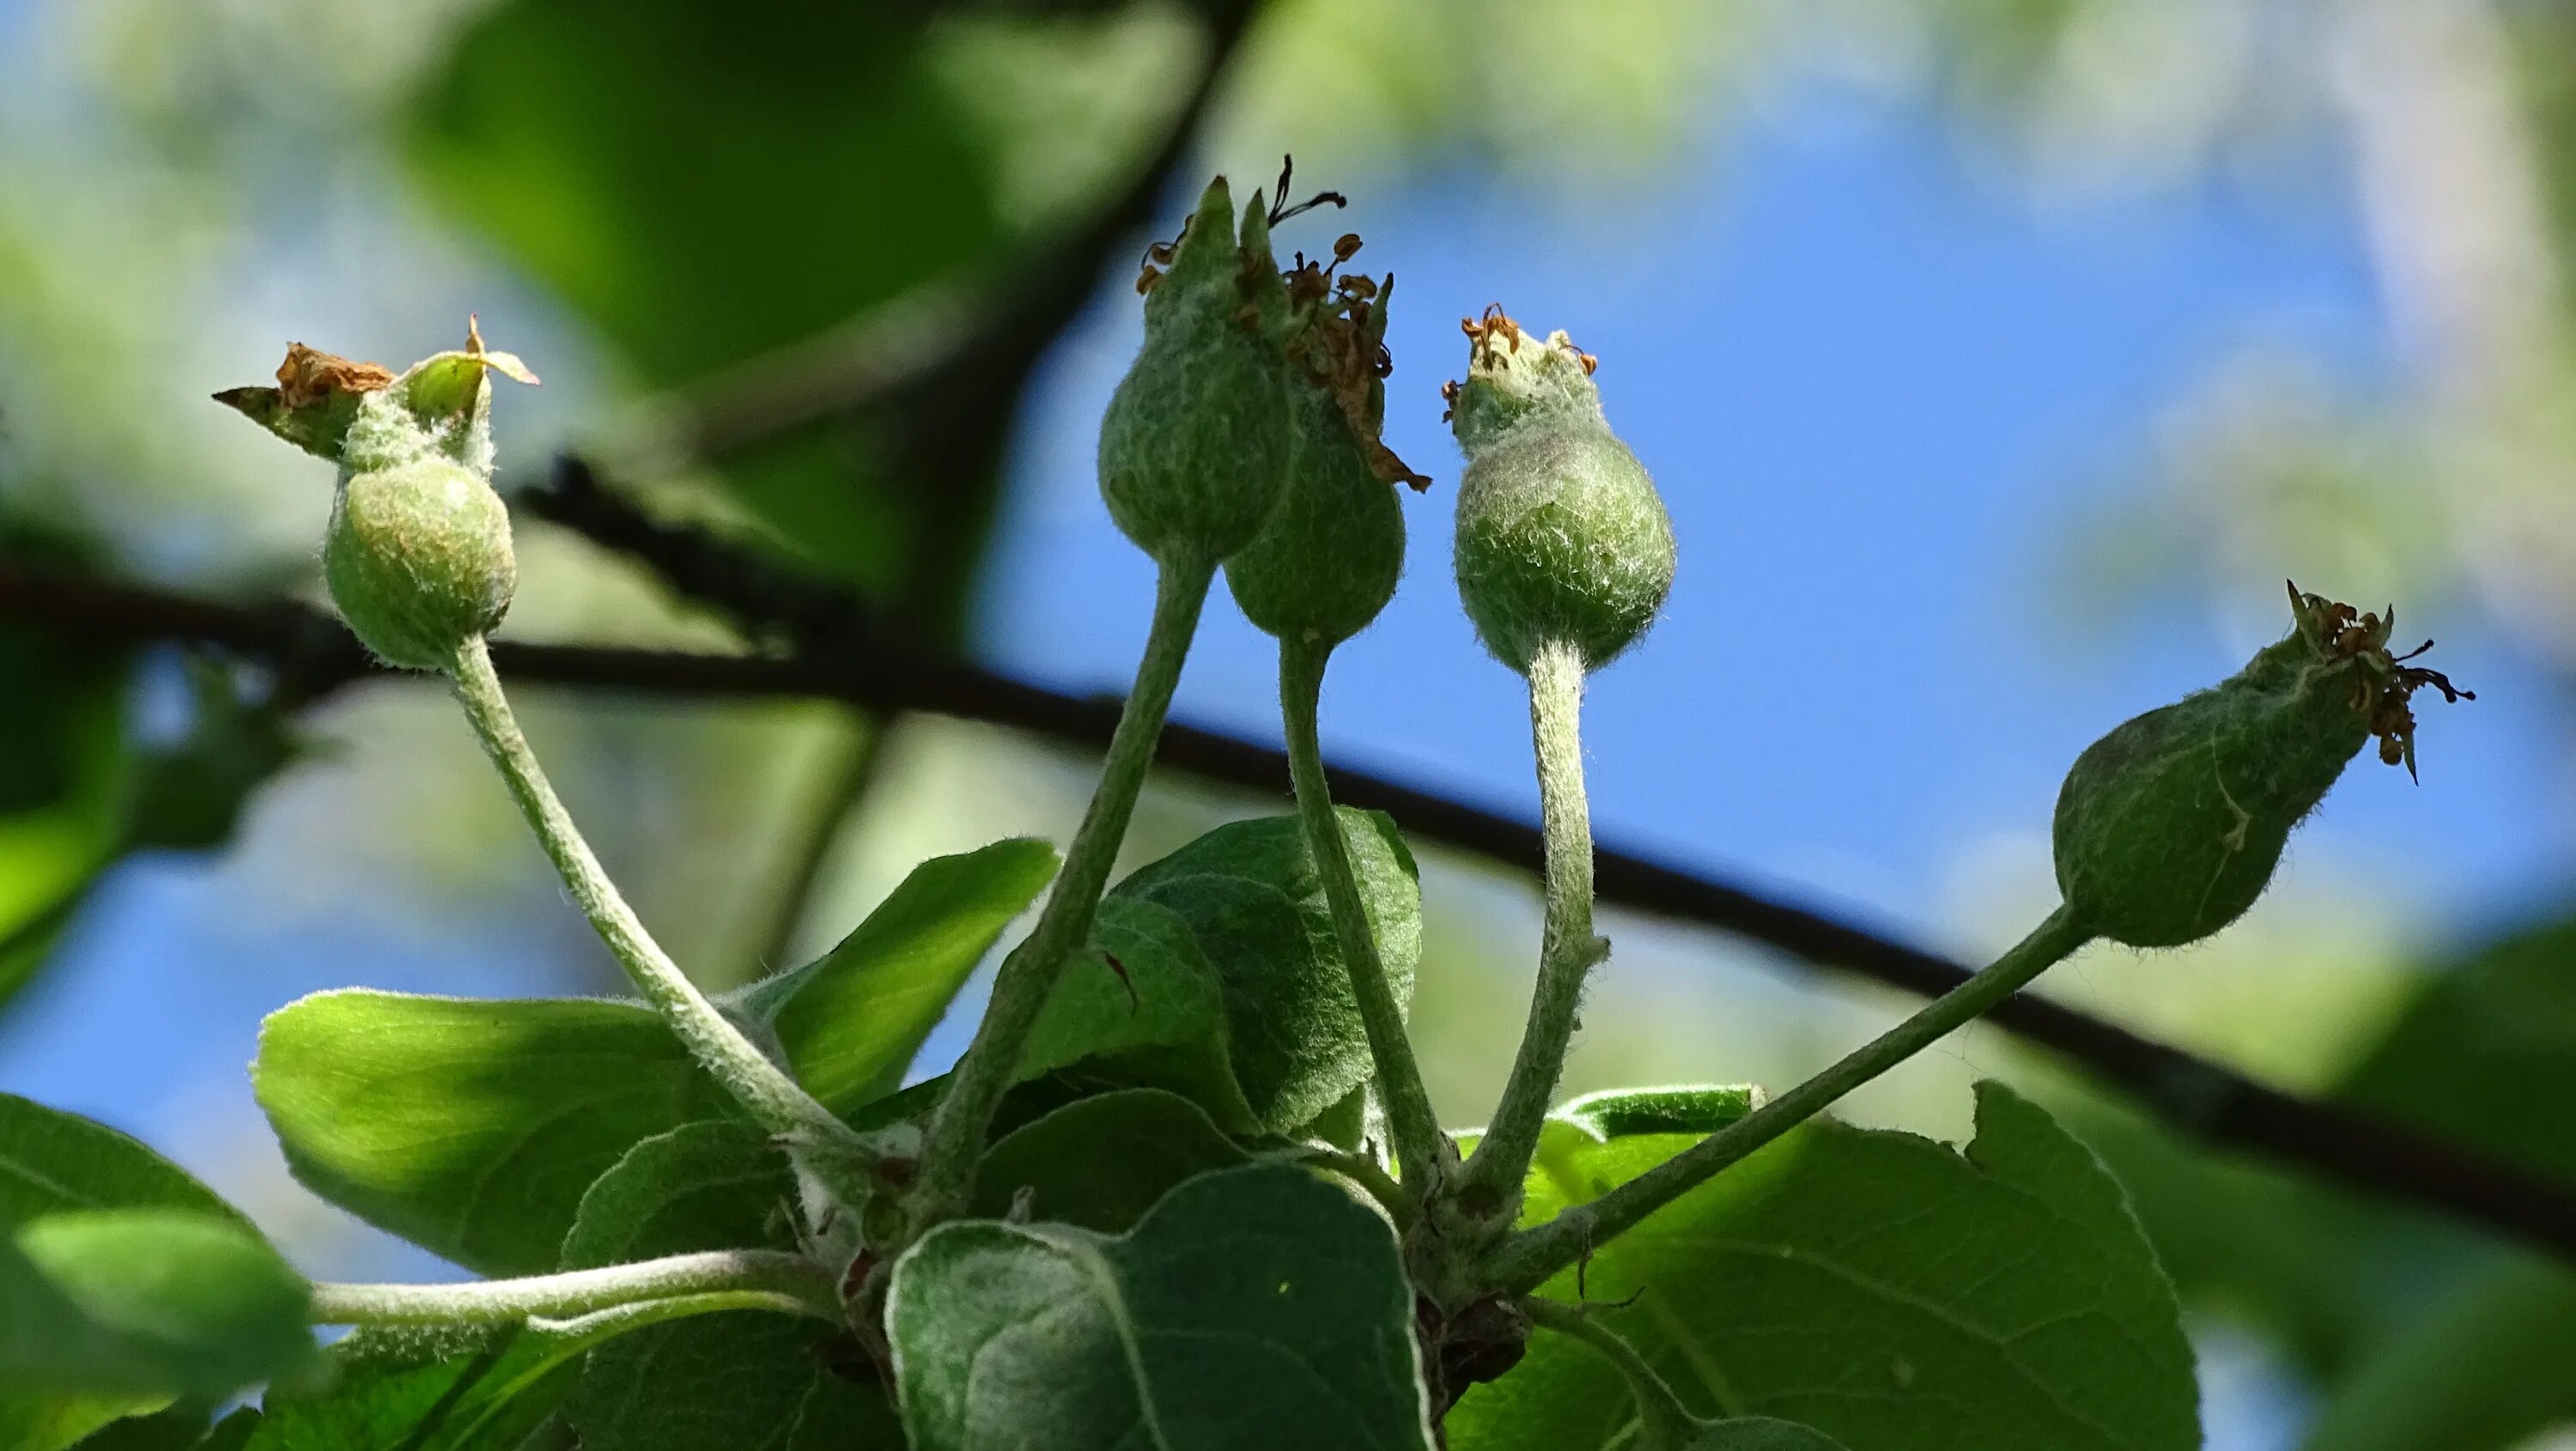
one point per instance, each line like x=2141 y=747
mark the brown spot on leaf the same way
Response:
x=1133 y=1002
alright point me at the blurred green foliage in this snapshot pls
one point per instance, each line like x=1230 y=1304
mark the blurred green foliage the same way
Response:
x=707 y=186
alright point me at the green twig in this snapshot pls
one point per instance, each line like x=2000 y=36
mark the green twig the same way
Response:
x=773 y=1099
x=1421 y=1151
x=787 y=1281
x=1525 y=1260
x=1361 y=1169
x=1663 y=1422
x=1569 y=950
x=1028 y=976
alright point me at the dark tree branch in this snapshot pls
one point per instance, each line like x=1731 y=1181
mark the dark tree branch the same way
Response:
x=2200 y=1098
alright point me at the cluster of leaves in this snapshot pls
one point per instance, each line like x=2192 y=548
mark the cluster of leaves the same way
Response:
x=1183 y=1256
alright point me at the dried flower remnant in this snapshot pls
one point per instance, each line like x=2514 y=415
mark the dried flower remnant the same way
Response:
x=2386 y=684
x=1339 y=339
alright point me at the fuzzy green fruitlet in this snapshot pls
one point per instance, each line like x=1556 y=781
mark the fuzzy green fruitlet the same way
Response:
x=1191 y=444
x=1562 y=538
x=418 y=554
x=2169 y=827
x=418 y=559
x=1329 y=558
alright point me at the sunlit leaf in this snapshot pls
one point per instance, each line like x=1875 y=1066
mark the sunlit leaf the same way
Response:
x=473 y=1127
x=149 y=1300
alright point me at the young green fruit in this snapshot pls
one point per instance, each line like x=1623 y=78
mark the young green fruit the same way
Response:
x=418 y=554
x=1327 y=561
x=2169 y=827
x=1561 y=536
x=419 y=561
x=1190 y=446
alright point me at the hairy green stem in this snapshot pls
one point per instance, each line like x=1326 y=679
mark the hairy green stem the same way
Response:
x=1525 y=1260
x=788 y=1280
x=761 y=1086
x=1568 y=951
x=1361 y=1169
x=1421 y=1150
x=1663 y=1422
x=1027 y=977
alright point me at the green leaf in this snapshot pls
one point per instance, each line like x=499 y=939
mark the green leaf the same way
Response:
x=2476 y=1360
x=1252 y=897
x=52 y=1161
x=189 y=794
x=34 y=1420
x=1877 y=1286
x=1156 y=1019
x=420 y=1390
x=1696 y=1109
x=233 y=1432
x=2509 y=1009
x=1344 y=1125
x=755 y=1381
x=2482 y=1367
x=78 y=794
x=473 y=1127
x=63 y=764
x=1570 y=1140
x=715 y=1185
x=853 y=1019
x=180 y=1428
x=150 y=1300
x=1761 y=1433
x=470 y=1127
x=416 y=1391
x=1102 y=1162
x=2307 y=1264
x=1254 y=1307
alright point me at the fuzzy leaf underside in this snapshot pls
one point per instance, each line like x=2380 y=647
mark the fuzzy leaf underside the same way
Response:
x=1254 y=1308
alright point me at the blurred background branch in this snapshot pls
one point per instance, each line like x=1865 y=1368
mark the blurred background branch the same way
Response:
x=311 y=655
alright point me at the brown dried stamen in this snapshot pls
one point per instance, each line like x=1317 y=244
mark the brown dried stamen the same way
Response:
x=2385 y=687
x=1280 y=211
x=1336 y=339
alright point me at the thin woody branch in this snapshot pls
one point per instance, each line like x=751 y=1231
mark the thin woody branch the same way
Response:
x=2200 y=1099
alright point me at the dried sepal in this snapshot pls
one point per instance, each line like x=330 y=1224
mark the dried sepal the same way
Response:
x=315 y=400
